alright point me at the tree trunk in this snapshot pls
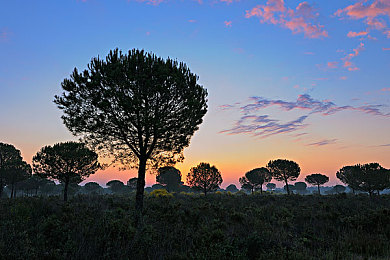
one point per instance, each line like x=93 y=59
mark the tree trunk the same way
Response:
x=252 y=190
x=378 y=192
x=66 y=190
x=1 y=183
x=139 y=197
x=288 y=189
x=319 y=192
x=370 y=193
x=12 y=190
x=261 y=189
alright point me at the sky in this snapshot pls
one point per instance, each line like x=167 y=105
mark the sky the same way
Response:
x=306 y=81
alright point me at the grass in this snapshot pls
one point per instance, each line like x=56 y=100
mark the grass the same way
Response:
x=188 y=226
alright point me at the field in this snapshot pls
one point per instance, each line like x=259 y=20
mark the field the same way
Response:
x=185 y=226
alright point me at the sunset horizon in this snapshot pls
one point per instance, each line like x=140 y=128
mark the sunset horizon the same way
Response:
x=305 y=81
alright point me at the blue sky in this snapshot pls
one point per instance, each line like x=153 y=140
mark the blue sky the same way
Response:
x=239 y=49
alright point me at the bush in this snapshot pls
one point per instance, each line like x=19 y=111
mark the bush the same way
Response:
x=160 y=193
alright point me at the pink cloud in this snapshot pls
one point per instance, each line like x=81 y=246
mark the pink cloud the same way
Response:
x=332 y=64
x=343 y=78
x=347 y=59
x=298 y=20
x=151 y=2
x=4 y=35
x=192 y=21
x=385 y=89
x=386 y=49
x=356 y=34
x=370 y=11
x=228 y=1
x=228 y=23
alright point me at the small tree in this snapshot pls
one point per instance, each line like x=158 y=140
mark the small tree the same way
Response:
x=204 y=177
x=289 y=187
x=9 y=155
x=170 y=177
x=92 y=187
x=132 y=183
x=300 y=187
x=317 y=179
x=284 y=170
x=15 y=173
x=137 y=107
x=116 y=186
x=271 y=186
x=254 y=179
x=348 y=175
x=36 y=182
x=68 y=162
x=338 y=189
x=232 y=188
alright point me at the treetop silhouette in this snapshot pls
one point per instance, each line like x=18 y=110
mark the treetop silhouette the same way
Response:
x=136 y=107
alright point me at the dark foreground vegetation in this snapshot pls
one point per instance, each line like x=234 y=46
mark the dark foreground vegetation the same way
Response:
x=190 y=226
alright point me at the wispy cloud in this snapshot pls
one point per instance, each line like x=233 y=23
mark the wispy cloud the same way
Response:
x=228 y=1
x=386 y=49
x=151 y=2
x=263 y=126
x=323 y=142
x=4 y=35
x=299 y=20
x=332 y=64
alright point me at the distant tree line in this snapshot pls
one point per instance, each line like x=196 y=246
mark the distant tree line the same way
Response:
x=70 y=163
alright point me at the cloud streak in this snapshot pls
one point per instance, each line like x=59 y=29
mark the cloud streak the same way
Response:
x=347 y=59
x=298 y=20
x=357 y=34
x=263 y=126
x=323 y=142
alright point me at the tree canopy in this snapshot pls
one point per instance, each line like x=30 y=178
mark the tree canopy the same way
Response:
x=136 y=107
x=271 y=186
x=15 y=173
x=204 y=177
x=132 y=183
x=300 y=187
x=169 y=176
x=9 y=155
x=368 y=177
x=232 y=188
x=317 y=179
x=284 y=170
x=68 y=162
x=116 y=186
x=254 y=179
x=92 y=187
